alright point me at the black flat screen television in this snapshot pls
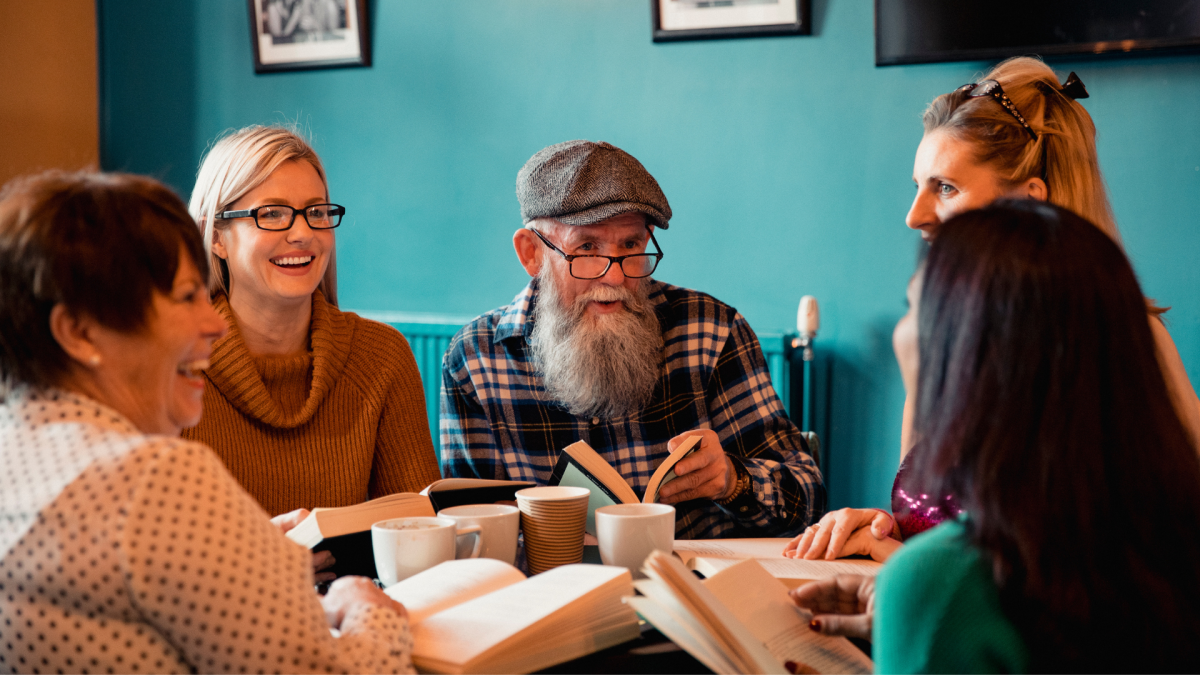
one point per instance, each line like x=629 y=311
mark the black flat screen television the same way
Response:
x=925 y=31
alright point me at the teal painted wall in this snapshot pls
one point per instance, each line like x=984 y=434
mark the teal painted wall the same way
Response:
x=787 y=161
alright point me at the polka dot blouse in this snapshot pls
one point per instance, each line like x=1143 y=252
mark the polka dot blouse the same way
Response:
x=128 y=553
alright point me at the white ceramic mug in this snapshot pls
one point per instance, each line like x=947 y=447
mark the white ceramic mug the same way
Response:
x=405 y=546
x=499 y=523
x=628 y=533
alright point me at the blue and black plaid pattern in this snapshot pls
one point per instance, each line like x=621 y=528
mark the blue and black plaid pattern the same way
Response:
x=497 y=421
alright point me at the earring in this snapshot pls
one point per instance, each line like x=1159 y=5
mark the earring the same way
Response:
x=94 y=360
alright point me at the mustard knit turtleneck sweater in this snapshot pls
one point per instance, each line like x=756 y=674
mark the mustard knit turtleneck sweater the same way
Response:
x=340 y=424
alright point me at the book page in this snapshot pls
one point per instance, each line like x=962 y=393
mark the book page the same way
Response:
x=573 y=477
x=323 y=523
x=601 y=470
x=468 y=631
x=737 y=549
x=793 y=572
x=665 y=473
x=471 y=483
x=760 y=602
x=730 y=636
x=451 y=583
x=344 y=520
x=680 y=627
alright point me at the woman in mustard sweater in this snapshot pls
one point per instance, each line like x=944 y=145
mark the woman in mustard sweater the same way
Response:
x=307 y=405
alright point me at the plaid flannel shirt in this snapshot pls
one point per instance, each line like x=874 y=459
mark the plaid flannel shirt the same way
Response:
x=496 y=420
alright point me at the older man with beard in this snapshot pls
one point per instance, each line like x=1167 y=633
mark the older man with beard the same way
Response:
x=594 y=349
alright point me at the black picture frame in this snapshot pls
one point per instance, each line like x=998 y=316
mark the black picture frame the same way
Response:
x=284 y=44
x=801 y=26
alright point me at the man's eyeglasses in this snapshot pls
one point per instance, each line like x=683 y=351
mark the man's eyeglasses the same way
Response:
x=634 y=266
x=991 y=88
x=277 y=217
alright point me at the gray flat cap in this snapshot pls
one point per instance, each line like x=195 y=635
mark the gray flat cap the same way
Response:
x=581 y=182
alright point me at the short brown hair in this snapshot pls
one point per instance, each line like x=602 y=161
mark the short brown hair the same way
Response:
x=100 y=244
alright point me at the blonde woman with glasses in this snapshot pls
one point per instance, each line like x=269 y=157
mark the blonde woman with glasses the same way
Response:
x=307 y=405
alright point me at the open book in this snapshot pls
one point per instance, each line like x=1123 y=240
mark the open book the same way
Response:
x=345 y=531
x=449 y=492
x=581 y=466
x=739 y=621
x=479 y=615
x=711 y=556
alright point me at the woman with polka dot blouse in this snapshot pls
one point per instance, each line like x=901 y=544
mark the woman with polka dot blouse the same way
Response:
x=122 y=547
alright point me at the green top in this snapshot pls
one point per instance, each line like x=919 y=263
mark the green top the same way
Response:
x=937 y=610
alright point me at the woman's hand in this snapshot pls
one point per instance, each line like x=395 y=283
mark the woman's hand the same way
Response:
x=846 y=532
x=843 y=605
x=321 y=560
x=287 y=521
x=349 y=592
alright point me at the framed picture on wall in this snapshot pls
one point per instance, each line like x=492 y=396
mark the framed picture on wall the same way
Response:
x=714 y=19
x=306 y=34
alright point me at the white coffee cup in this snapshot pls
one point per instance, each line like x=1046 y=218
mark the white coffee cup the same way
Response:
x=628 y=533
x=499 y=523
x=405 y=546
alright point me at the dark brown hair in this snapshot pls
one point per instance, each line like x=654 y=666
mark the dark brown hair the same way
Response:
x=1044 y=412
x=100 y=244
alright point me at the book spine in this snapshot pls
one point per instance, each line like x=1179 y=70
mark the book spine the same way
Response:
x=561 y=467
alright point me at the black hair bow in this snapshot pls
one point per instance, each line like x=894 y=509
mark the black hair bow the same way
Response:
x=1073 y=88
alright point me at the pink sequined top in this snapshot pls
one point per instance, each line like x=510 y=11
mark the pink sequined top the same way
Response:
x=916 y=512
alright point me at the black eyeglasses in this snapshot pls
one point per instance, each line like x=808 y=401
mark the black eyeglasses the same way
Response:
x=277 y=217
x=992 y=88
x=634 y=266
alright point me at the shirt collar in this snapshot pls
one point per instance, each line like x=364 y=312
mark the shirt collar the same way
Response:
x=54 y=404
x=515 y=319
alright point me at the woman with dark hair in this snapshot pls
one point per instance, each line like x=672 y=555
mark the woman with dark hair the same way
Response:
x=1071 y=545
x=122 y=547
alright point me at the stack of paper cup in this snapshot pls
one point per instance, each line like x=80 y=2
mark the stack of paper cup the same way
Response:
x=553 y=519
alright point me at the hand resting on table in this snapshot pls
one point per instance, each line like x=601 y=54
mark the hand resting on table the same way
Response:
x=348 y=593
x=846 y=532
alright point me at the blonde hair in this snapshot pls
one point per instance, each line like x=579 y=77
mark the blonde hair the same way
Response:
x=1064 y=155
x=236 y=164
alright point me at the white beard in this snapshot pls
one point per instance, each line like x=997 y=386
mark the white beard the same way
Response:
x=605 y=365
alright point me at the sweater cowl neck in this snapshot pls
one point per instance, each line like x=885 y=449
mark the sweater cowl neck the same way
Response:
x=235 y=373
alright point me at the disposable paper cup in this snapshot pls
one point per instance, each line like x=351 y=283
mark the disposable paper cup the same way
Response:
x=552 y=493
x=553 y=519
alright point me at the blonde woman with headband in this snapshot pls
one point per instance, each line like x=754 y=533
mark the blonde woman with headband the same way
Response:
x=1016 y=133
x=307 y=405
